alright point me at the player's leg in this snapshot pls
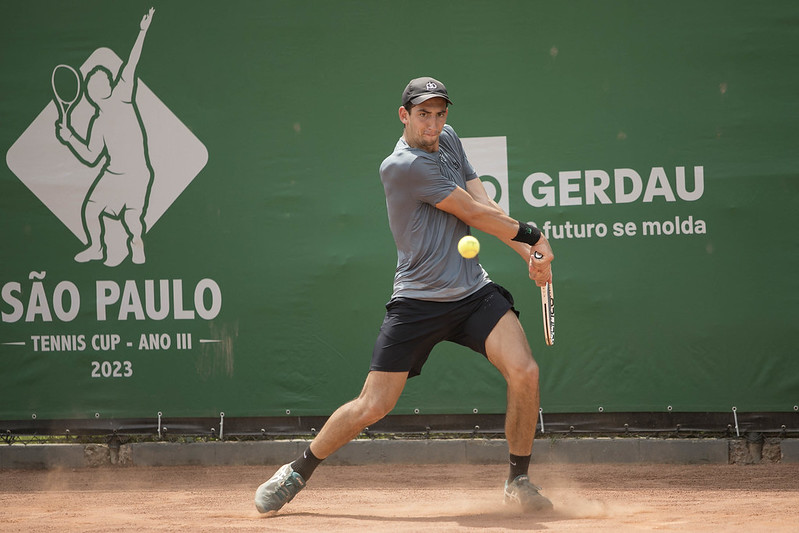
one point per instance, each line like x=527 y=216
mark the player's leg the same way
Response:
x=133 y=222
x=508 y=350
x=92 y=220
x=378 y=397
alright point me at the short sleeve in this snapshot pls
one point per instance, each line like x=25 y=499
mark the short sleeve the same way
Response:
x=426 y=182
x=454 y=143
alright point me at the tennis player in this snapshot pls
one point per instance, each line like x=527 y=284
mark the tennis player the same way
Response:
x=433 y=196
x=122 y=188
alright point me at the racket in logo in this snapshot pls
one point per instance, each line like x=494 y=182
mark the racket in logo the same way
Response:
x=66 y=88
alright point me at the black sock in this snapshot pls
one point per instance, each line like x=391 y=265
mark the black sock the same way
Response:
x=306 y=464
x=518 y=466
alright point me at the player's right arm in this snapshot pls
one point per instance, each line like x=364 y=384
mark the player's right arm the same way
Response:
x=489 y=218
x=88 y=151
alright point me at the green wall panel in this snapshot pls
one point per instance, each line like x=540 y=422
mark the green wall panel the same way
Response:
x=266 y=123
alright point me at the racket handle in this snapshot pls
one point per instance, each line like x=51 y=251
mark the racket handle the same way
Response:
x=61 y=108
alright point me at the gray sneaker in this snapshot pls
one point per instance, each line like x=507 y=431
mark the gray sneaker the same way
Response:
x=279 y=490
x=520 y=491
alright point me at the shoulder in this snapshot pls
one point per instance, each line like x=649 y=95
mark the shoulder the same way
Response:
x=450 y=139
x=401 y=158
x=448 y=133
x=405 y=160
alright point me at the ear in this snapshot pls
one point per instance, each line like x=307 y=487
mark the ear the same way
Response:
x=404 y=116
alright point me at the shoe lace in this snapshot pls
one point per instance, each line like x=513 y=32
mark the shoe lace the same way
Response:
x=288 y=488
x=523 y=484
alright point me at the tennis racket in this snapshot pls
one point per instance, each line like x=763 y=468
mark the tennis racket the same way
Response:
x=547 y=308
x=66 y=88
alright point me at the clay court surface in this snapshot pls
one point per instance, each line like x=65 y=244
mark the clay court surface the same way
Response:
x=404 y=498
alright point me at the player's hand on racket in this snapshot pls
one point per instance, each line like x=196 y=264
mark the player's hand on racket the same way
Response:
x=146 y=19
x=541 y=256
x=63 y=132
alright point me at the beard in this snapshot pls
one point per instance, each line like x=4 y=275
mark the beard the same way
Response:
x=424 y=142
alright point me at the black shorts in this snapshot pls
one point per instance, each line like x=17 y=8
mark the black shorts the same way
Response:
x=412 y=327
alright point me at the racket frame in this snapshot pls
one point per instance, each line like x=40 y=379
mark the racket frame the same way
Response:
x=63 y=104
x=548 y=311
x=547 y=308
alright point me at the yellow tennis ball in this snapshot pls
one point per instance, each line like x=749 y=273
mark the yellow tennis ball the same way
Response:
x=468 y=247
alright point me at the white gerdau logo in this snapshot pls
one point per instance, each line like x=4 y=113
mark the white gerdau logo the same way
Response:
x=106 y=156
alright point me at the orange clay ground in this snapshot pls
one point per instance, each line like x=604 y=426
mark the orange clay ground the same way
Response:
x=748 y=498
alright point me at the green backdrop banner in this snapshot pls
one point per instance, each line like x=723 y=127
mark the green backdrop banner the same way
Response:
x=654 y=142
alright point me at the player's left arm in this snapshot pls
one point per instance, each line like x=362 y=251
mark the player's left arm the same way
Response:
x=127 y=77
x=488 y=217
x=478 y=192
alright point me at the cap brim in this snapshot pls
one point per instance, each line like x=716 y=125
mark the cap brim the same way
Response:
x=425 y=97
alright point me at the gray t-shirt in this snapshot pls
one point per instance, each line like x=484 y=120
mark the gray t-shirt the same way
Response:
x=429 y=266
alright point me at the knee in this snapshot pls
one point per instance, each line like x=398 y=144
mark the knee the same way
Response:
x=524 y=375
x=134 y=224
x=372 y=410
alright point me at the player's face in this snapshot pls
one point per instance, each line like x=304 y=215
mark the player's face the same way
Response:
x=424 y=122
x=98 y=87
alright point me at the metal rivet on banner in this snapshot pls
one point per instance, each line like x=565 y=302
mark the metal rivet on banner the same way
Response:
x=668 y=408
x=601 y=409
x=796 y=407
x=96 y=415
x=288 y=411
x=33 y=416
x=416 y=411
x=474 y=411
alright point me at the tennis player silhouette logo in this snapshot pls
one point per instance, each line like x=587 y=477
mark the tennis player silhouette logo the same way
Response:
x=117 y=160
x=115 y=133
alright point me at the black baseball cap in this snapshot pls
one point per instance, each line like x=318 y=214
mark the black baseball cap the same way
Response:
x=422 y=89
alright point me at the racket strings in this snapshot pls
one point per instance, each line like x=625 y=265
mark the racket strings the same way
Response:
x=66 y=83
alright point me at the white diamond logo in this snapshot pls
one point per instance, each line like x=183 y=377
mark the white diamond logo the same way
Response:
x=73 y=186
